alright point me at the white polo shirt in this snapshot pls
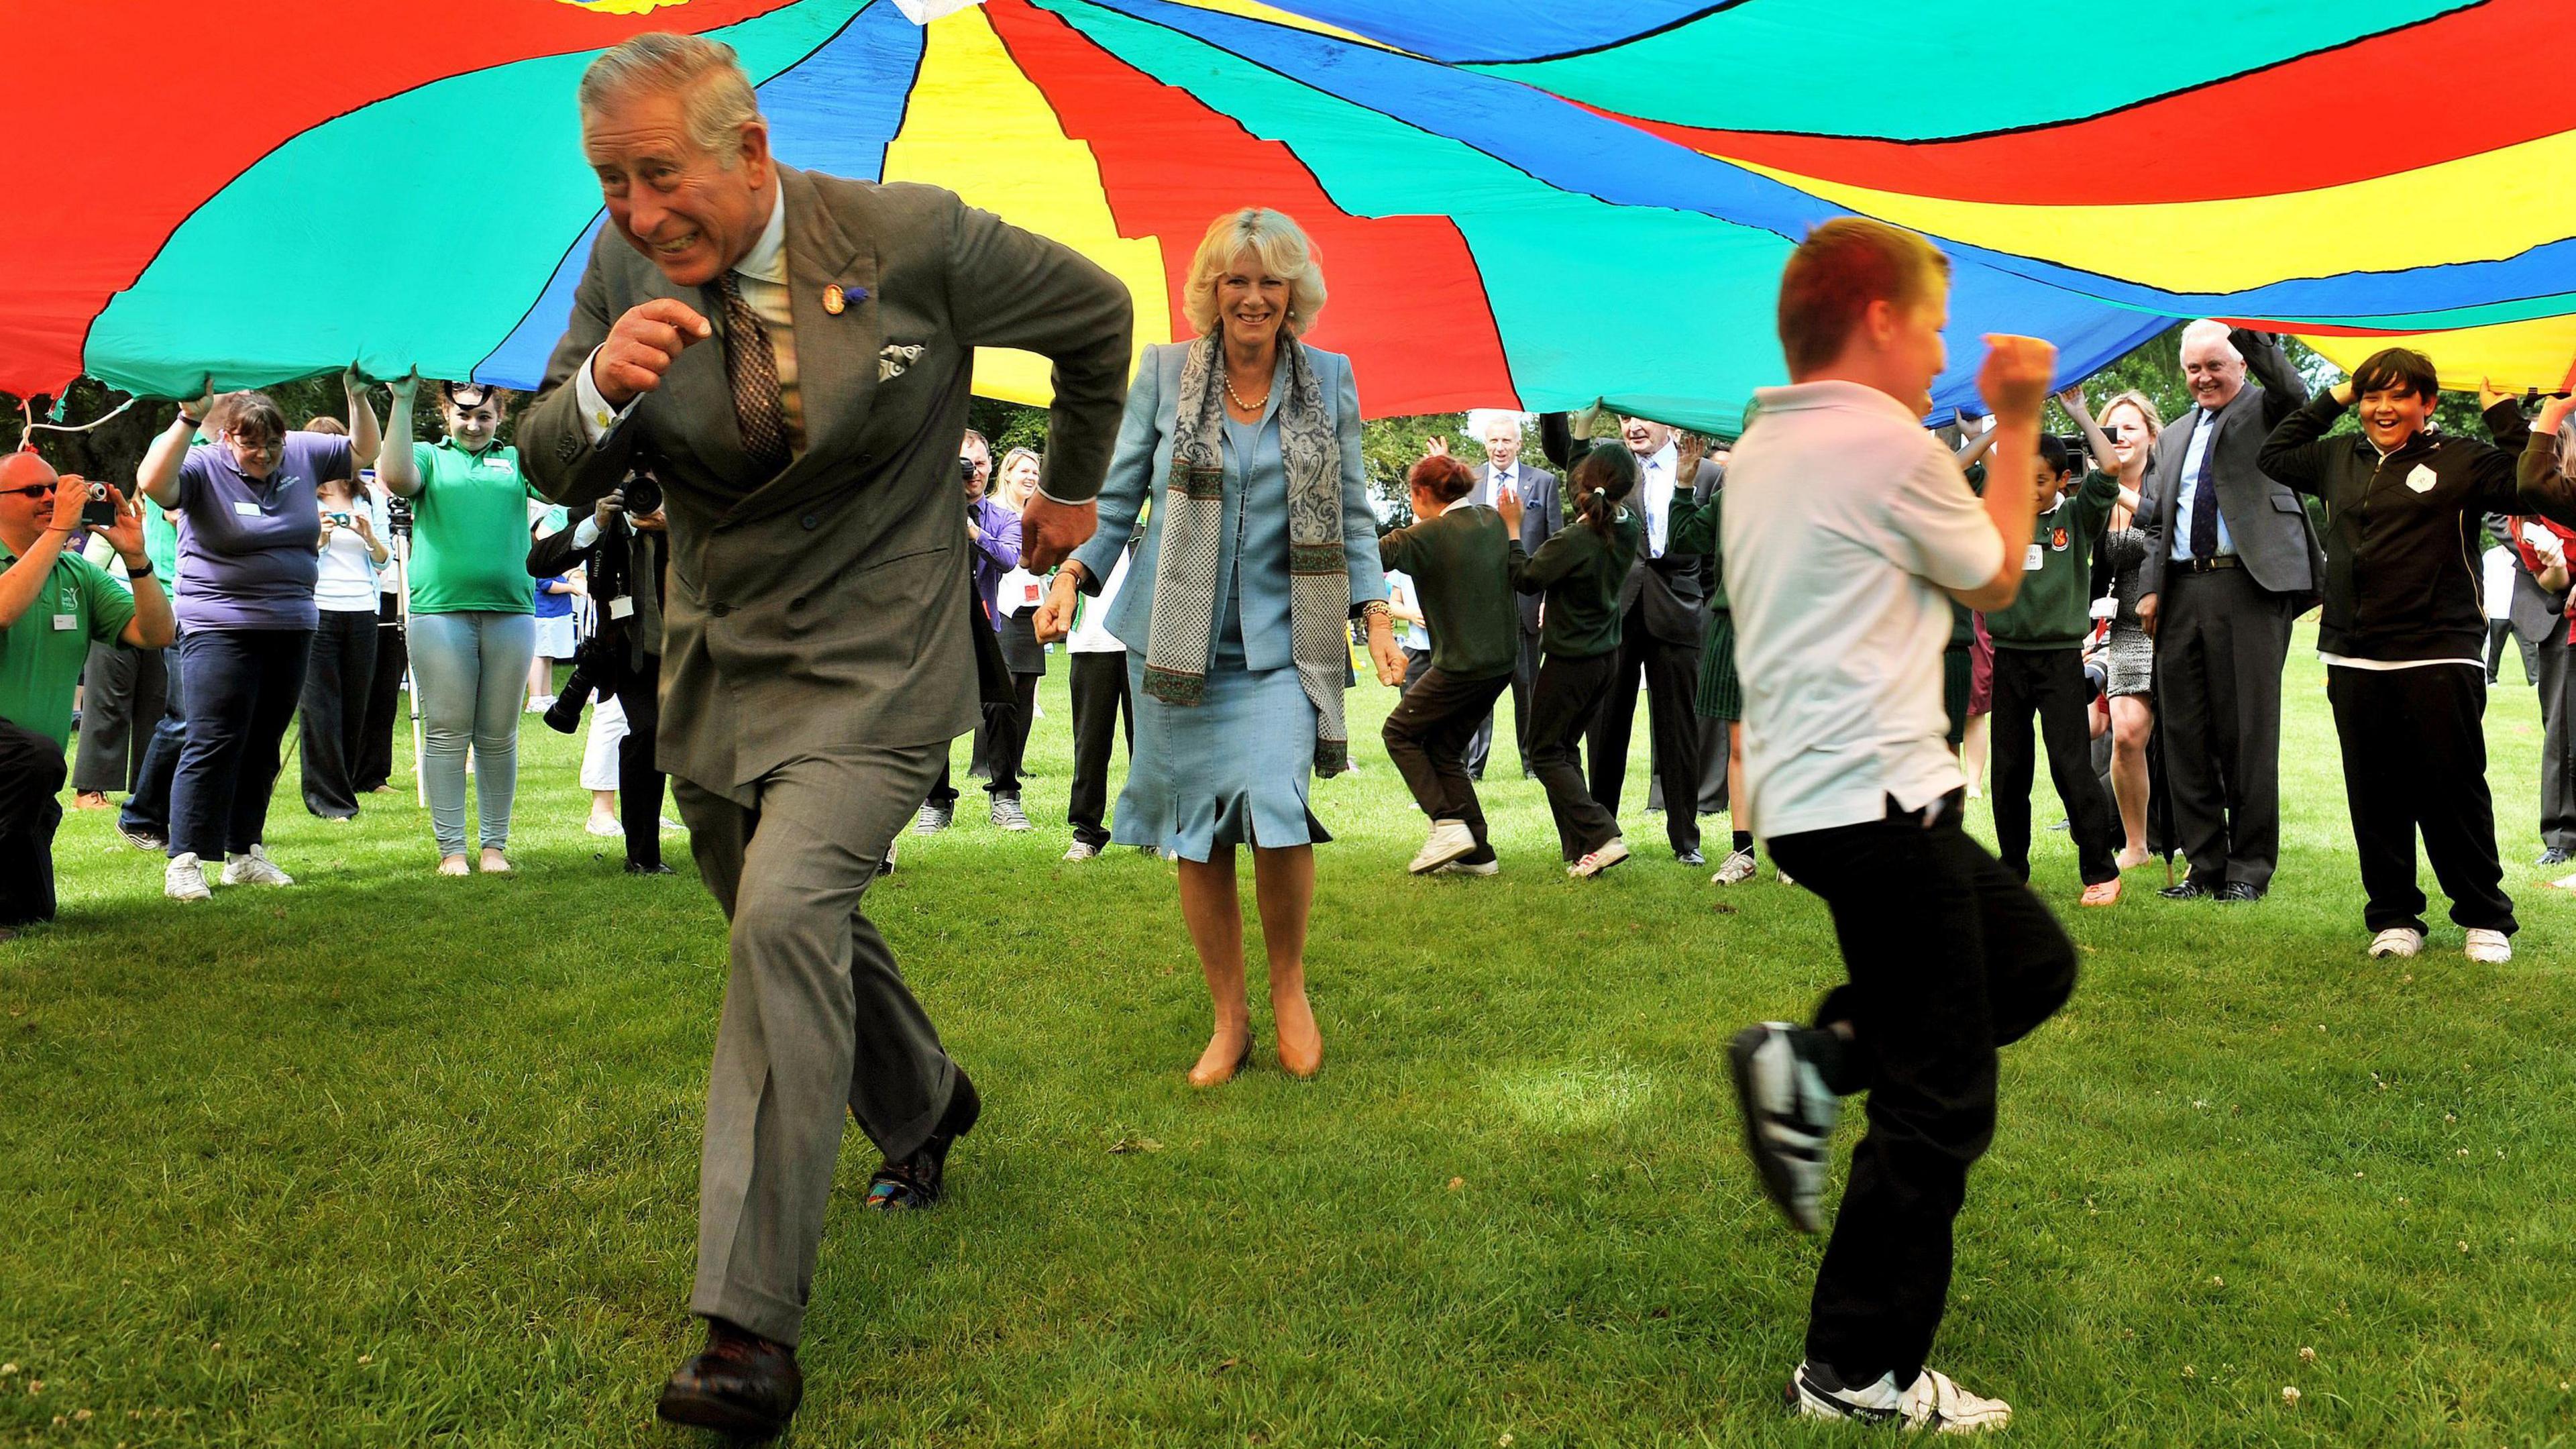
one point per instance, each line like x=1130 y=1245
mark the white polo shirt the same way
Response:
x=1845 y=522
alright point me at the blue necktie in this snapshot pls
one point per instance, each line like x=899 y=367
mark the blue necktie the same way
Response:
x=2204 y=500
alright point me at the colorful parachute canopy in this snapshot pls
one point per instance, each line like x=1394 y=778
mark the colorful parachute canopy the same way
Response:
x=1522 y=203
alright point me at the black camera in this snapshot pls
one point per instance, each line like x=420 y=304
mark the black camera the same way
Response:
x=965 y=470
x=643 y=495
x=590 y=671
x=99 y=509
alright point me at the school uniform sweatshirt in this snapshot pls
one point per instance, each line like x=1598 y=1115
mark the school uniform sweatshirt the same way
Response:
x=2054 y=609
x=1461 y=566
x=2402 y=580
x=1581 y=572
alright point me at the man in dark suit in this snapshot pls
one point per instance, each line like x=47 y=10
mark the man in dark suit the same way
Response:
x=620 y=554
x=1542 y=515
x=1664 y=613
x=791 y=354
x=2232 y=558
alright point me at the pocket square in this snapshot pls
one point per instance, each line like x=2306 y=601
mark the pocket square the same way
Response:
x=894 y=358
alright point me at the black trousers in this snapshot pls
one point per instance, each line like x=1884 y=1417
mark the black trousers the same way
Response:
x=1101 y=706
x=1563 y=705
x=1949 y=958
x=1000 y=738
x=2415 y=759
x=1427 y=734
x=1524 y=680
x=2219 y=649
x=123 y=692
x=334 y=711
x=2557 y=739
x=1671 y=673
x=375 y=758
x=31 y=776
x=639 y=780
x=147 y=810
x=242 y=688
x=2050 y=683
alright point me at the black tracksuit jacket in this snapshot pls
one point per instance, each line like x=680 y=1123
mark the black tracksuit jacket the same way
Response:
x=2402 y=579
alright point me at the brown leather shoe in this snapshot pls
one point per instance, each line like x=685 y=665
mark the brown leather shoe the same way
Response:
x=740 y=1384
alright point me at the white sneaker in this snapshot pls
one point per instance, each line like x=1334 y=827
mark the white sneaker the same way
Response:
x=183 y=879
x=253 y=867
x=1449 y=839
x=1471 y=867
x=2396 y=941
x=1736 y=869
x=1599 y=860
x=602 y=825
x=1784 y=876
x=2489 y=948
x=1789 y=1115
x=1081 y=850
x=1931 y=1402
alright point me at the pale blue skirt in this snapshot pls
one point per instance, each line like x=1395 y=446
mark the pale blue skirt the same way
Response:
x=1230 y=770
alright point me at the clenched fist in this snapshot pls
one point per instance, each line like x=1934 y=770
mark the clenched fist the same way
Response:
x=642 y=347
x=2014 y=380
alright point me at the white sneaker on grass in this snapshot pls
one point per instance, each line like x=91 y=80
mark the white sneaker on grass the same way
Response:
x=1736 y=869
x=184 y=879
x=1471 y=867
x=1600 y=860
x=2489 y=948
x=1789 y=1115
x=1931 y=1402
x=2398 y=941
x=1081 y=850
x=1449 y=839
x=253 y=867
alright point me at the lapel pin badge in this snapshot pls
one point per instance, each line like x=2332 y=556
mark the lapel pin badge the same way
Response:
x=835 y=301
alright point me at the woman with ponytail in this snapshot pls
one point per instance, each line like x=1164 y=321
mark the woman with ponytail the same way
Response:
x=1580 y=571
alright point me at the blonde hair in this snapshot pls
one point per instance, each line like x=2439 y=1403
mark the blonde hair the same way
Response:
x=716 y=98
x=1284 y=252
x=2567 y=447
x=2146 y=407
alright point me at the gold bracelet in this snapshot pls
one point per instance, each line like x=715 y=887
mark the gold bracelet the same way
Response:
x=1375 y=609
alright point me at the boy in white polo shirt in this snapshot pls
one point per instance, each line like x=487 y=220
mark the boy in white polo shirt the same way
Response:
x=1848 y=532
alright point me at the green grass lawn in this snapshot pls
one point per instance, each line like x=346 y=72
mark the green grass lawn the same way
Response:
x=388 y=1159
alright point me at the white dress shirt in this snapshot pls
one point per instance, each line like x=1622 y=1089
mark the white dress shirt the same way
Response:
x=1657 y=493
x=761 y=277
x=2204 y=429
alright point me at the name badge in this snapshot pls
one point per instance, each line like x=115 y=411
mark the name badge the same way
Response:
x=621 y=607
x=2036 y=559
x=498 y=465
x=66 y=622
x=246 y=508
x=2422 y=479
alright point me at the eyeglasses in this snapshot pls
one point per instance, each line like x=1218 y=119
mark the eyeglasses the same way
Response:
x=33 y=490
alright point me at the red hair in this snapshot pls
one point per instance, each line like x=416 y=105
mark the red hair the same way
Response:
x=1443 y=477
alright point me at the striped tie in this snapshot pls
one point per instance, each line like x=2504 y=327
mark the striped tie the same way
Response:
x=752 y=368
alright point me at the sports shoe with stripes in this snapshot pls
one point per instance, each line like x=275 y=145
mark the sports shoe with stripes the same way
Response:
x=1789 y=1116
x=1933 y=1401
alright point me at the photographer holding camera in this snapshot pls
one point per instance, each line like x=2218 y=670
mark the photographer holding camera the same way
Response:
x=620 y=547
x=53 y=605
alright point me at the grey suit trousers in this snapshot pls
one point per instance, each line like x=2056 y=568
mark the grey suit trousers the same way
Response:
x=2558 y=740
x=2220 y=644
x=816 y=1019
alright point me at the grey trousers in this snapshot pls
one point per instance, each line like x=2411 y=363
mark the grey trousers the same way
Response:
x=2220 y=646
x=816 y=1019
x=2557 y=679
x=123 y=700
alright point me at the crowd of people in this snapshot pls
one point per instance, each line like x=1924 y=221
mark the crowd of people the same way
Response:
x=1832 y=618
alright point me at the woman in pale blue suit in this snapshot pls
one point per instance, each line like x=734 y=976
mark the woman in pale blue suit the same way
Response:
x=1260 y=548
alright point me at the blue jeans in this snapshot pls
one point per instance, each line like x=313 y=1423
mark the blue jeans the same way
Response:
x=472 y=672
x=242 y=687
x=147 y=810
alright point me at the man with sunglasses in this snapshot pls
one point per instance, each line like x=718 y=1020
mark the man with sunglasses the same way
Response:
x=53 y=605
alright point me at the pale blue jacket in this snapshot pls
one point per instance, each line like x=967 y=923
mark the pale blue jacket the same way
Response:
x=1257 y=533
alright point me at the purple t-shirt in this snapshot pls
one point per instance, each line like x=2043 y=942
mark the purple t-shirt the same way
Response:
x=249 y=551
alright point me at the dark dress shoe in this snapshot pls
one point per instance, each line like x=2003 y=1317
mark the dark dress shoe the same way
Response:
x=2554 y=856
x=637 y=867
x=1690 y=857
x=2188 y=890
x=921 y=1180
x=740 y=1384
x=2237 y=892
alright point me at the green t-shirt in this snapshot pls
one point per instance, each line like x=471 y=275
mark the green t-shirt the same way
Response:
x=469 y=532
x=41 y=655
x=161 y=545
x=2054 y=609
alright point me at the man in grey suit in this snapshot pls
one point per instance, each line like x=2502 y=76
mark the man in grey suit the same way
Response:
x=791 y=354
x=1542 y=515
x=2232 y=558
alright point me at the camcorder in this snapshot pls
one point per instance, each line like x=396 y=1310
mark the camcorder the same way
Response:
x=965 y=470
x=99 y=509
x=643 y=494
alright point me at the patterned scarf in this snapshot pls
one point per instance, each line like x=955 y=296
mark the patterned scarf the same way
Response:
x=1319 y=593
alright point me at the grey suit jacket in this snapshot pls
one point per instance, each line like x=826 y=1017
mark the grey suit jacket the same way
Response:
x=1542 y=516
x=829 y=607
x=2274 y=537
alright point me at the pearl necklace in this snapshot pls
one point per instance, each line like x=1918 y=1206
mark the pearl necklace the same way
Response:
x=1237 y=398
